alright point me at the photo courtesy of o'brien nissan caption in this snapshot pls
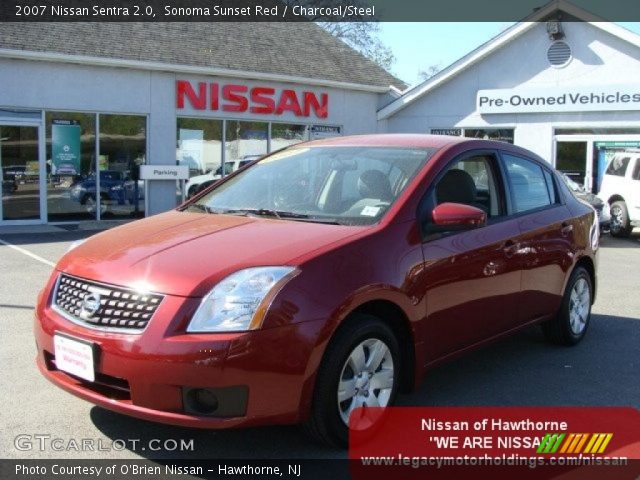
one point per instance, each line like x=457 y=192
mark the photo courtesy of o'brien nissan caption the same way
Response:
x=322 y=278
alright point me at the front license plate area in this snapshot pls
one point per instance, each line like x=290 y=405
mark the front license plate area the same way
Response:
x=75 y=356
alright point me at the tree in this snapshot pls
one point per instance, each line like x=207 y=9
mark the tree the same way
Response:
x=362 y=36
x=355 y=31
x=429 y=72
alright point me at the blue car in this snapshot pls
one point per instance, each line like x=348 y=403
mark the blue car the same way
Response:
x=112 y=190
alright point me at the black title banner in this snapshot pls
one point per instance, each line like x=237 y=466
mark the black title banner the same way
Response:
x=309 y=10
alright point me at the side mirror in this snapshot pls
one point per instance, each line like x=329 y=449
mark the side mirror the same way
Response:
x=458 y=215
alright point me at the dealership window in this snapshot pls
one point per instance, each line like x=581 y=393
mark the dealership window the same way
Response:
x=70 y=162
x=283 y=135
x=123 y=145
x=499 y=134
x=570 y=160
x=20 y=173
x=528 y=184
x=199 y=144
x=244 y=142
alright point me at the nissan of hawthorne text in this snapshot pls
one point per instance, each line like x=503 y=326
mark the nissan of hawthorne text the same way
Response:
x=321 y=278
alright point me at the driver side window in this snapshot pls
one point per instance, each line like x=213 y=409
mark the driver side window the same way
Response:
x=471 y=181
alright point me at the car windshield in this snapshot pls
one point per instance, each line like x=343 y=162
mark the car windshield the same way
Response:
x=343 y=185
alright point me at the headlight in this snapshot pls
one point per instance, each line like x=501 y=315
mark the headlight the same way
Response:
x=240 y=301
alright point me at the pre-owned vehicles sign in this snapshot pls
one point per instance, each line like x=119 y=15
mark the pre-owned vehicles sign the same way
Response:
x=559 y=99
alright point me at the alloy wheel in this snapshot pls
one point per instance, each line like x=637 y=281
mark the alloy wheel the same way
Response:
x=616 y=219
x=366 y=379
x=579 y=304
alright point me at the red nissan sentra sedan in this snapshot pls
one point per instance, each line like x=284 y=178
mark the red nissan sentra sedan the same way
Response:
x=326 y=276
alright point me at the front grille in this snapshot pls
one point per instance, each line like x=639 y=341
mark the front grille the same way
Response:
x=104 y=306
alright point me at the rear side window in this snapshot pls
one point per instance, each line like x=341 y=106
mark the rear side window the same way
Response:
x=636 y=170
x=618 y=166
x=529 y=187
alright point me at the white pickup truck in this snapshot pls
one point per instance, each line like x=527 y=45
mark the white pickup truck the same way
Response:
x=621 y=190
x=195 y=184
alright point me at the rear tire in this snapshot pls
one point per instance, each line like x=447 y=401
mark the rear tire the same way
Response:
x=570 y=324
x=364 y=340
x=620 y=225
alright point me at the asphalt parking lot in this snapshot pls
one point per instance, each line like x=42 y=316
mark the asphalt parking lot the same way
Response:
x=524 y=370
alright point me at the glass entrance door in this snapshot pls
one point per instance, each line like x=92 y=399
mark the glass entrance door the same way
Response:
x=20 y=163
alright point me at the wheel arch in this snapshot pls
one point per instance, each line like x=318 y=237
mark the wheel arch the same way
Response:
x=587 y=263
x=615 y=198
x=396 y=319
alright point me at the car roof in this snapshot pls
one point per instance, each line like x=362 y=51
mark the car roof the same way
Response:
x=410 y=140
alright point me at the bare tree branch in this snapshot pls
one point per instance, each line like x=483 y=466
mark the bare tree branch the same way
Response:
x=358 y=33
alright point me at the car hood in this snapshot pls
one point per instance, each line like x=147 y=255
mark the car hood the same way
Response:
x=185 y=254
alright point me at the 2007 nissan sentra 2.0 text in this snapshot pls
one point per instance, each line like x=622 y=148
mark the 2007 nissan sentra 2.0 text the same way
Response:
x=324 y=277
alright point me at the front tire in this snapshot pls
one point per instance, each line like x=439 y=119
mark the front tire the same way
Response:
x=620 y=225
x=570 y=324
x=91 y=205
x=360 y=368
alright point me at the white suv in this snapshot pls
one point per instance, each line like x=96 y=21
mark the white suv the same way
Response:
x=621 y=190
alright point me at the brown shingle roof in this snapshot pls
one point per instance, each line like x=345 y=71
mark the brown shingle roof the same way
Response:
x=300 y=49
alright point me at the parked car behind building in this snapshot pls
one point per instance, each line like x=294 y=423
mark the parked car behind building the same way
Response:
x=200 y=182
x=600 y=206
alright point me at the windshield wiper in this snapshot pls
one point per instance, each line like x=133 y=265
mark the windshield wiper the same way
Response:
x=279 y=214
x=263 y=212
x=199 y=206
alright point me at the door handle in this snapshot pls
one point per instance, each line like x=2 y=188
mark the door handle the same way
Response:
x=566 y=229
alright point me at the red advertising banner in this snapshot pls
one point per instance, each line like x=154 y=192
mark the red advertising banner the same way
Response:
x=495 y=442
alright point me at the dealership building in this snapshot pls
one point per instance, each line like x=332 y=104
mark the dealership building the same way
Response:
x=78 y=98
x=148 y=104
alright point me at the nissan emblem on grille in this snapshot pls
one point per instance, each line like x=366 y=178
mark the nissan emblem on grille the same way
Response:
x=90 y=305
x=103 y=306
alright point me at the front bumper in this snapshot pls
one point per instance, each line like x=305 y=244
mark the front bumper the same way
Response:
x=145 y=375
